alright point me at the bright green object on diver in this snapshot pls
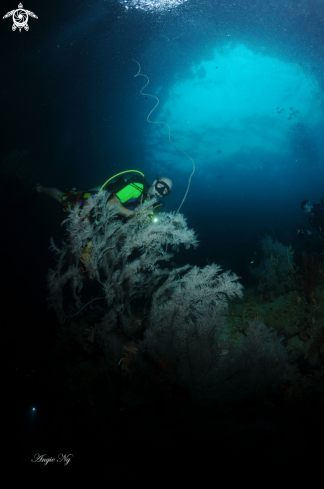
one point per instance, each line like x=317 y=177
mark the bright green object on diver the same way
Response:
x=121 y=173
x=132 y=190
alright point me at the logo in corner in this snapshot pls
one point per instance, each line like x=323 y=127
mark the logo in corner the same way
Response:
x=20 y=18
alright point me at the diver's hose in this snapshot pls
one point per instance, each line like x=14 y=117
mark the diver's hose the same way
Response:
x=162 y=122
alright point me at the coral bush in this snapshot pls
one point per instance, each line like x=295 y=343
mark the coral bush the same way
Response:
x=276 y=267
x=183 y=339
x=124 y=258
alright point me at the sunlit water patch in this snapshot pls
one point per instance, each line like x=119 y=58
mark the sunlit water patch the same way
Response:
x=151 y=5
x=241 y=106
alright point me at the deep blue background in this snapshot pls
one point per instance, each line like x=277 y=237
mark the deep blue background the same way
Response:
x=69 y=98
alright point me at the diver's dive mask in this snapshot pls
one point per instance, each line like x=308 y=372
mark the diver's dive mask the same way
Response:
x=162 y=188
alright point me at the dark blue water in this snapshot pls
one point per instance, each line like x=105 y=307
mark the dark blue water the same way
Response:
x=241 y=86
x=223 y=74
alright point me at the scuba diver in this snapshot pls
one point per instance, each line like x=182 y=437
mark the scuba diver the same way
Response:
x=315 y=219
x=126 y=190
x=129 y=191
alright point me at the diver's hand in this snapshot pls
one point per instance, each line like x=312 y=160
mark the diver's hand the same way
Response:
x=144 y=214
x=148 y=213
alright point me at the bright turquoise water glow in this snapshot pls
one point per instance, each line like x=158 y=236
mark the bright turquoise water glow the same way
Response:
x=240 y=106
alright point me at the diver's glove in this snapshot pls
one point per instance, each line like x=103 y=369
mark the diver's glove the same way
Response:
x=148 y=214
x=143 y=217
